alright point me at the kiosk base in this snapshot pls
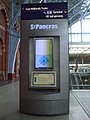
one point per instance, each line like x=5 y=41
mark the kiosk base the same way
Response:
x=42 y=107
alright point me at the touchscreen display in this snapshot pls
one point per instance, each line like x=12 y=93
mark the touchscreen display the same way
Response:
x=43 y=53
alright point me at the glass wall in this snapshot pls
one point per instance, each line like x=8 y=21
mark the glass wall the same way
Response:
x=80 y=31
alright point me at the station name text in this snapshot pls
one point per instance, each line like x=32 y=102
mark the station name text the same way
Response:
x=43 y=26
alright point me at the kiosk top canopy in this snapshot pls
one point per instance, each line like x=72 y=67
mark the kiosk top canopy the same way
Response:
x=44 y=11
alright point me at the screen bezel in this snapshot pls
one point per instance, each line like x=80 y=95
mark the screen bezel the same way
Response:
x=42 y=38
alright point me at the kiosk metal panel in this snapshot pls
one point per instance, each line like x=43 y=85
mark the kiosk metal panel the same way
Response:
x=44 y=73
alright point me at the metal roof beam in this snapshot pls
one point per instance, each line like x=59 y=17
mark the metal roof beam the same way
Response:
x=76 y=5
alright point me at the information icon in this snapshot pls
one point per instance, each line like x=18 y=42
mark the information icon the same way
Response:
x=44 y=60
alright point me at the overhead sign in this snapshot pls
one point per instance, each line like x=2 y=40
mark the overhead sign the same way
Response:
x=44 y=11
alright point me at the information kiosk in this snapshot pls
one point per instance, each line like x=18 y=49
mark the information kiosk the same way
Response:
x=44 y=77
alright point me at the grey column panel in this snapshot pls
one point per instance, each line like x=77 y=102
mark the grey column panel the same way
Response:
x=44 y=100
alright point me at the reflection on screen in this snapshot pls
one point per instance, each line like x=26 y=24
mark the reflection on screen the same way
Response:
x=43 y=53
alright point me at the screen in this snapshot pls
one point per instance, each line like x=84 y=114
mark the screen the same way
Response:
x=44 y=79
x=44 y=53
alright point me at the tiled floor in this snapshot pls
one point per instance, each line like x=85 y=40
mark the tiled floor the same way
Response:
x=9 y=106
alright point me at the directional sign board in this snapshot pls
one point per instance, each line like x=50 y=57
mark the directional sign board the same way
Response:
x=44 y=11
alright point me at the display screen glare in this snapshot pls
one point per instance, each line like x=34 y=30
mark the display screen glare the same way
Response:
x=43 y=53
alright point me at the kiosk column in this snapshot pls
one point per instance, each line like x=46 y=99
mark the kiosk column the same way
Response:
x=44 y=75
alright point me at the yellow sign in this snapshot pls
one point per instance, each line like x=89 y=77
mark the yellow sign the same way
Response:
x=44 y=79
